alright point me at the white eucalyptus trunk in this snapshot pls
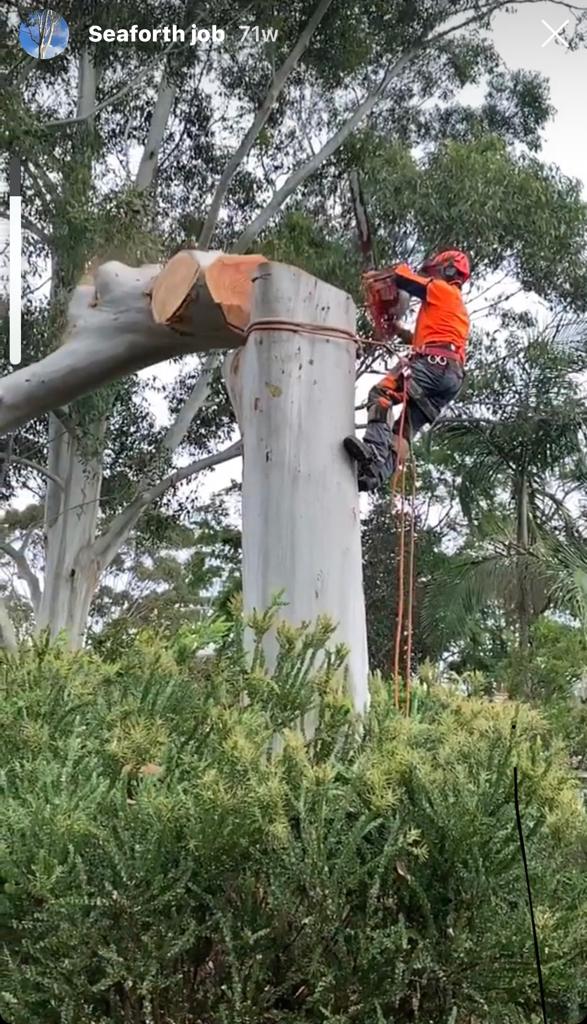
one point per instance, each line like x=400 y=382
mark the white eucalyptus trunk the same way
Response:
x=294 y=397
x=71 y=512
x=71 y=508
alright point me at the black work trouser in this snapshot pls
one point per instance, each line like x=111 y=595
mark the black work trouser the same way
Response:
x=439 y=384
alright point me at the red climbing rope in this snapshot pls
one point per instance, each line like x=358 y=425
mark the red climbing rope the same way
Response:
x=400 y=473
x=319 y=330
x=411 y=581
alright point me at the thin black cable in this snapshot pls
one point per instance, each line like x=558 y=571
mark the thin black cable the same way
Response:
x=527 y=874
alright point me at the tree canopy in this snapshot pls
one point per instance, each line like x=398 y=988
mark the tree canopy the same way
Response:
x=133 y=150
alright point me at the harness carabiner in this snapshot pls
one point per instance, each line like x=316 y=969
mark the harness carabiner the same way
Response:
x=437 y=360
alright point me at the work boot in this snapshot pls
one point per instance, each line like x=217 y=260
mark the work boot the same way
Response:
x=359 y=451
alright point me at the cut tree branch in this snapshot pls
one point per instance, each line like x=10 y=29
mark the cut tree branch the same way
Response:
x=277 y=83
x=96 y=349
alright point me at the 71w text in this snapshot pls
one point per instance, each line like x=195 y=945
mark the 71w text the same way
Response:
x=252 y=33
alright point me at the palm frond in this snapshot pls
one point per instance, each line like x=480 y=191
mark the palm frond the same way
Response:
x=553 y=571
x=563 y=564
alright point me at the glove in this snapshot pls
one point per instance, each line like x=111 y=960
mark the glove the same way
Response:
x=403 y=333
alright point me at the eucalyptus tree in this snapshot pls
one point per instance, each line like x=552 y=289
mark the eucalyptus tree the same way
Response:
x=130 y=151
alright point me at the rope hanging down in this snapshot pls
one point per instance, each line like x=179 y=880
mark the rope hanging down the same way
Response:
x=400 y=474
x=382 y=299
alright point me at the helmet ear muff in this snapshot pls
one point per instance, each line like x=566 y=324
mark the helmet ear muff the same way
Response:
x=453 y=275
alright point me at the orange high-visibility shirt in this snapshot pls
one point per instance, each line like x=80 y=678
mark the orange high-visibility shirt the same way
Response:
x=443 y=316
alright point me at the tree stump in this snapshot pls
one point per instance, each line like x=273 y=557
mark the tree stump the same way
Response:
x=294 y=397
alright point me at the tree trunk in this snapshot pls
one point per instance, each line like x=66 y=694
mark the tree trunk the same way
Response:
x=71 y=513
x=7 y=633
x=148 y=165
x=294 y=396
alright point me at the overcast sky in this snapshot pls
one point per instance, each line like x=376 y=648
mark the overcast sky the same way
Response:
x=520 y=39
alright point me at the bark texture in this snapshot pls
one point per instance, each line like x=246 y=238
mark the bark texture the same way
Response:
x=71 y=513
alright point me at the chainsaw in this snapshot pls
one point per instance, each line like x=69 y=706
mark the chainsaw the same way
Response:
x=385 y=302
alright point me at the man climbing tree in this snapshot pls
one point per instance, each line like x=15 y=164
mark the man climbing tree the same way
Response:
x=429 y=378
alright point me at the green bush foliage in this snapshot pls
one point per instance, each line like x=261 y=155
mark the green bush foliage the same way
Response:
x=174 y=850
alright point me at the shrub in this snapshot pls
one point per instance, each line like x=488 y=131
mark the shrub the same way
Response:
x=164 y=860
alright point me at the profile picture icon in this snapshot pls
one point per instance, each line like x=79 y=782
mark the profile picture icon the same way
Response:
x=43 y=34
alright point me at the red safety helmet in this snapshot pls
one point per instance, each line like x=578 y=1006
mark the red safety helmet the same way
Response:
x=453 y=264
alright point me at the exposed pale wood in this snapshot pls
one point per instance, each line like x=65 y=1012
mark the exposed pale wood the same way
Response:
x=181 y=293
x=230 y=282
x=173 y=286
